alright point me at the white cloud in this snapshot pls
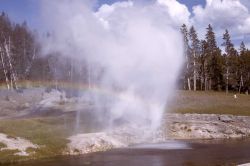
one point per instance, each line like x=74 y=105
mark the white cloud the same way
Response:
x=245 y=27
x=172 y=10
x=223 y=14
x=105 y=12
x=176 y=10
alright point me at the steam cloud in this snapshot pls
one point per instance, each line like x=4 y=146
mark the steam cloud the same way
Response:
x=136 y=48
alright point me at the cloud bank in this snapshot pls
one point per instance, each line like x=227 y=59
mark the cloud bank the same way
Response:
x=223 y=14
x=233 y=15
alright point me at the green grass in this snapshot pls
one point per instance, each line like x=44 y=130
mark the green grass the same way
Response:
x=8 y=156
x=210 y=103
x=2 y=145
x=49 y=133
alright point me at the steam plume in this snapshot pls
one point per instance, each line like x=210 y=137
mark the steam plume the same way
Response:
x=137 y=50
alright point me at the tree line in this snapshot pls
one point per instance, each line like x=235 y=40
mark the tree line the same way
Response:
x=21 y=58
x=18 y=52
x=207 y=67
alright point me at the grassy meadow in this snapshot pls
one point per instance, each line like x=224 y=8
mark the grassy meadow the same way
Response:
x=210 y=103
x=51 y=132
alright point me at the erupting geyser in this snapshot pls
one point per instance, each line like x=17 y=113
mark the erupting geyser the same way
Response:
x=134 y=50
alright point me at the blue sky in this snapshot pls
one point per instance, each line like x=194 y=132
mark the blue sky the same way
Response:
x=21 y=10
x=28 y=10
x=191 y=3
x=233 y=15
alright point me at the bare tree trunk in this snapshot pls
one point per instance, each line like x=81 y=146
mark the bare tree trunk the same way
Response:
x=210 y=84
x=205 y=83
x=27 y=70
x=56 y=81
x=241 y=82
x=194 y=74
x=203 y=86
x=5 y=70
x=184 y=83
x=202 y=82
x=189 y=84
x=187 y=72
x=12 y=73
x=227 y=77
x=205 y=74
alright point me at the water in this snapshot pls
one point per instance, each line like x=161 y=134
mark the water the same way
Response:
x=172 y=153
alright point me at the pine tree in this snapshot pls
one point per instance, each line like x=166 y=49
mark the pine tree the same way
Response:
x=214 y=62
x=195 y=51
x=203 y=65
x=186 y=71
x=231 y=62
x=24 y=50
x=228 y=49
x=211 y=41
x=242 y=48
x=244 y=68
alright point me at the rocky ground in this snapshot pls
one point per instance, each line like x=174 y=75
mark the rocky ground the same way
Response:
x=207 y=126
x=16 y=143
x=34 y=103
x=13 y=103
x=175 y=126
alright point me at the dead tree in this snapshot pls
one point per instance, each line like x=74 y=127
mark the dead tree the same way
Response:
x=13 y=76
x=4 y=69
x=27 y=70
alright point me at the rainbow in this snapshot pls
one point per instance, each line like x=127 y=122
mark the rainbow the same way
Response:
x=94 y=89
x=59 y=84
